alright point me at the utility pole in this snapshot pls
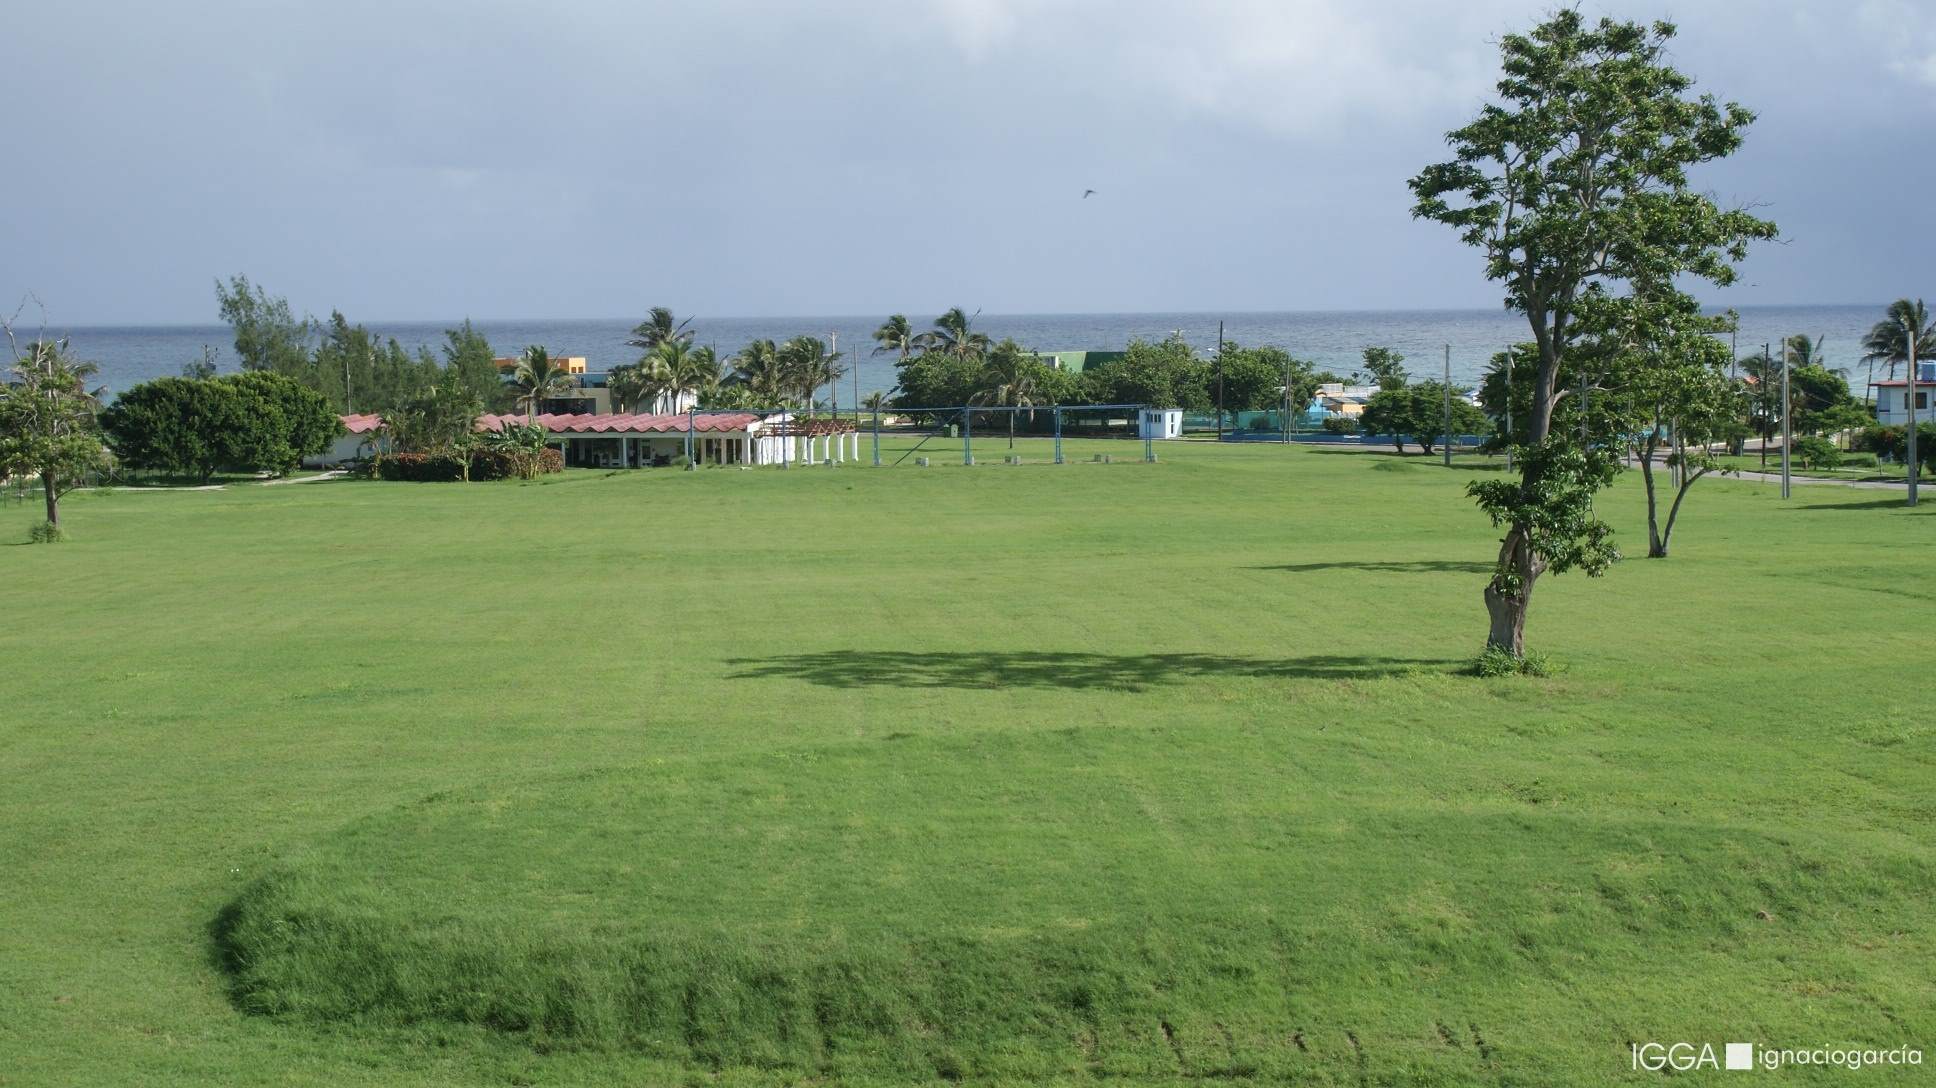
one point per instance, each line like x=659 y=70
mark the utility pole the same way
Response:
x=833 y=376
x=1909 y=401
x=1786 y=433
x=1448 y=406
x=1220 y=380
x=1287 y=402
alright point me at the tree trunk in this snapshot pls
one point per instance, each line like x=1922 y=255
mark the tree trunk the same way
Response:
x=1656 y=543
x=1510 y=592
x=53 y=498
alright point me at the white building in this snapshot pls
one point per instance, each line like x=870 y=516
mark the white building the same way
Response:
x=1892 y=399
x=1160 y=423
x=362 y=437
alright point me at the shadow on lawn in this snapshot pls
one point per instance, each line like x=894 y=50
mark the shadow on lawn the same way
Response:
x=1898 y=502
x=1404 y=566
x=1132 y=672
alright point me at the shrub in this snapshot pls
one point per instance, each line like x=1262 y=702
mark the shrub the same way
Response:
x=46 y=532
x=1817 y=452
x=1340 y=425
x=422 y=467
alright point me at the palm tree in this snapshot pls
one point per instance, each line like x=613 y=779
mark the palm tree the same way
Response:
x=761 y=369
x=1008 y=381
x=658 y=328
x=707 y=373
x=1804 y=350
x=895 y=334
x=951 y=335
x=875 y=401
x=809 y=366
x=1888 y=341
x=630 y=386
x=675 y=368
x=538 y=378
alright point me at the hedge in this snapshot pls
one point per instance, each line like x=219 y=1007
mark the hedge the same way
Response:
x=485 y=464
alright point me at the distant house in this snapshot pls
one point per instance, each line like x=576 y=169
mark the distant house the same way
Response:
x=1341 y=400
x=1892 y=398
x=363 y=435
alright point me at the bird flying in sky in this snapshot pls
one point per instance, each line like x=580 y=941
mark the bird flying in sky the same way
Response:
x=1087 y=193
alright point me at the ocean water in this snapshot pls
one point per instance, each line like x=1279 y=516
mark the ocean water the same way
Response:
x=1332 y=340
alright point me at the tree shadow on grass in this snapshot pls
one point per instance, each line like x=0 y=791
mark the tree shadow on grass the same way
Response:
x=1898 y=502
x=1127 y=672
x=1402 y=566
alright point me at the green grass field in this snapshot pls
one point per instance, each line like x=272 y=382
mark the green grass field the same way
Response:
x=1007 y=774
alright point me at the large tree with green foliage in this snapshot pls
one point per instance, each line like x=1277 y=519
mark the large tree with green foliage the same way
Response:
x=1417 y=410
x=1160 y=373
x=1574 y=186
x=279 y=421
x=49 y=426
x=174 y=425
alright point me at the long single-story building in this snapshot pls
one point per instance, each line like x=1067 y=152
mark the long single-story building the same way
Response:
x=611 y=440
x=718 y=438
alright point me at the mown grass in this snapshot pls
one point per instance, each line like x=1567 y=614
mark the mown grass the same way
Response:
x=1159 y=772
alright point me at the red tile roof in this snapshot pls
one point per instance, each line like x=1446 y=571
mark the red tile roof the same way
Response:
x=581 y=423
x=362 y=424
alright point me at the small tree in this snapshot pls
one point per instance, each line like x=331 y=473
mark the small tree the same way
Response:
x=1573 y=184
x=48 y=423
x=1673 y=397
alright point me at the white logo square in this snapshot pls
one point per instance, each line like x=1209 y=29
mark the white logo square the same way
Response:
x=1740 y=1056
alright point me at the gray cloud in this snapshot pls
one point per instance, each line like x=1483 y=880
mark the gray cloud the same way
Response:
x=433 y=159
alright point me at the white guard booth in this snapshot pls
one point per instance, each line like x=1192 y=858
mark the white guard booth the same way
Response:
x=1160 y=423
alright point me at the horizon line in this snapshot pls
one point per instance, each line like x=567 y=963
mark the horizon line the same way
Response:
x=453 y=322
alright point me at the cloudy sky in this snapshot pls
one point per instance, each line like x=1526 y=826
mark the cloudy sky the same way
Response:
x=436 y=158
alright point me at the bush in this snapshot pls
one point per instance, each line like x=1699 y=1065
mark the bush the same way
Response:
x=1340 y=425
x=46 y=532
x=512 y=463
x=1893 y=443
x=422 y=467
x=1817 y=452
